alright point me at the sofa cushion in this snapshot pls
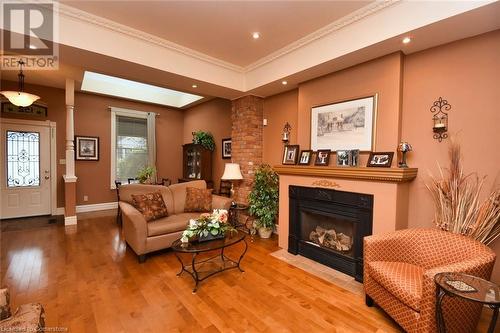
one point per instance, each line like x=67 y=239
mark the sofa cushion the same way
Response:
x=402 y=280
x=172 y=223
x=178 y=192
x=198 y=200
x=150 y=205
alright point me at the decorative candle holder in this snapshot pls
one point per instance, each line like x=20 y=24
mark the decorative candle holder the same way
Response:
x=440 y=119
x=404 y=147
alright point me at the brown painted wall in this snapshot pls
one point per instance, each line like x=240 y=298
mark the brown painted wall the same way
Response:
x=465 y=72
x=382 y=76
x=278 y=110
x=93 y=118
x=213 y=116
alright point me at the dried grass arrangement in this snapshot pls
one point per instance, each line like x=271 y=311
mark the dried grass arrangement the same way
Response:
x=457 y=203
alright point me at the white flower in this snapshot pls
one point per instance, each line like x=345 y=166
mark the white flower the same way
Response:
x=193 y=223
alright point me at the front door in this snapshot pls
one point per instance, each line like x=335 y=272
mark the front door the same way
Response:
x=25 y=170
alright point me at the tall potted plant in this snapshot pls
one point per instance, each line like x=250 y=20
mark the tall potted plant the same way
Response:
x=263 y=199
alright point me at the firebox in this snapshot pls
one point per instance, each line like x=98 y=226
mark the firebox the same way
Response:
x=328 y=226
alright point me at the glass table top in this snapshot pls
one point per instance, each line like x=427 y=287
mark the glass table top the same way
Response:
x=216 y=244
x=469 y=287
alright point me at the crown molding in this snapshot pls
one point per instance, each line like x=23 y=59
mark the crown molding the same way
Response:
x=82 y=16
x=333 y=27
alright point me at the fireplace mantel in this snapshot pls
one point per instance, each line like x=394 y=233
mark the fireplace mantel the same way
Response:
x=395 y=175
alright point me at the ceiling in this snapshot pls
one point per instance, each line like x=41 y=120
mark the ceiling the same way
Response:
x=223 y=29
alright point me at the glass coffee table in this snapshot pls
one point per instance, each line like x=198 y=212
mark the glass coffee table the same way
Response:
x=468 y=287
x=206 y=267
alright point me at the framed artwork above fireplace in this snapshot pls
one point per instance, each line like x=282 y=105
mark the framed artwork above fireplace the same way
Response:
x=344 y=125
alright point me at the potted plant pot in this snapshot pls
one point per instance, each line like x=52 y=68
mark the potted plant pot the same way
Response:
x=263 y=199
x=265 y=232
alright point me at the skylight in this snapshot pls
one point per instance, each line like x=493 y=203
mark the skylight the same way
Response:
x=114 y=86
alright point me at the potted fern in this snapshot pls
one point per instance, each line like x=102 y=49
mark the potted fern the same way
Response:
x=145 y=175
x=263 y=200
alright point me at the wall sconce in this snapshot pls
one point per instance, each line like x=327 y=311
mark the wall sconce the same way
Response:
x=285 y=136
x=440 y=119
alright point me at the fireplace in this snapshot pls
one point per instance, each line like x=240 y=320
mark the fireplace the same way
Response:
x=328 y=226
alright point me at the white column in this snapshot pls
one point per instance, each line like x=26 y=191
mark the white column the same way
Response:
x=70 y=131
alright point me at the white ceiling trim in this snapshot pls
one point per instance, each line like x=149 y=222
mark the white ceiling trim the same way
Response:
x=86 y=17
x=83 y=16
x=333 y=27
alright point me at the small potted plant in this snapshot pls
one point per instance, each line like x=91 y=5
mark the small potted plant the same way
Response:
x=263 y=200
x=145 y=175
x=205 y=139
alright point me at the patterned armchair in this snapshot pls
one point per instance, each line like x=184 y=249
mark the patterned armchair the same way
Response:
x=27 y=318
x=399 y=271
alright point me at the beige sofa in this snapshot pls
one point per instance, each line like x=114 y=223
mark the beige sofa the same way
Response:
x=145 y=237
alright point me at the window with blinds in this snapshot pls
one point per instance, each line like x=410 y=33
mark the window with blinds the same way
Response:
x=131 y=146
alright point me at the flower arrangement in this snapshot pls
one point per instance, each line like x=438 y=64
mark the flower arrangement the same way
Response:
x=458 y=207
x=208 y=226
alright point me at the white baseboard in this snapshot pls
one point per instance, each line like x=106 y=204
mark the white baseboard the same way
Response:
x=96 y=207
x=90 y=208
x=70 y=220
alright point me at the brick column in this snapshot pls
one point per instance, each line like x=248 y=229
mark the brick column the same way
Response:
x=246 y=136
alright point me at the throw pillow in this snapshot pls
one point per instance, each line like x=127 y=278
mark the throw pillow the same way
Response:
x=198 y=200
x=151 y=205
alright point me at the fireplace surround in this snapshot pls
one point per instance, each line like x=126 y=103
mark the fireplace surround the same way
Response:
x=328 y=226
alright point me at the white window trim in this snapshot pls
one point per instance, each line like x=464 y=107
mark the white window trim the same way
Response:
x=151 y=136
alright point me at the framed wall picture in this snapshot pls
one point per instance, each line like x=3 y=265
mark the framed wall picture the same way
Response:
x=322 y=157
x=87 y=148
x=344 y=125
x=290 y=154
x=380 y=159
x=226 y=148
x=343 y=158
x=305 y=157
x=354 y=157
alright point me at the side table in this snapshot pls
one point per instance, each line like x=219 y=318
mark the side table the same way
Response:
x=240 y=218
x=468 y=287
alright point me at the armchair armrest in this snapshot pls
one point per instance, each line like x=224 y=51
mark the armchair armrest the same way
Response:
x=220 y=202
x=134 y=227
x=4 y=304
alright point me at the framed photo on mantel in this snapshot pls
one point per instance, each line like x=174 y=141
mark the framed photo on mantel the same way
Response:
x=344 y=125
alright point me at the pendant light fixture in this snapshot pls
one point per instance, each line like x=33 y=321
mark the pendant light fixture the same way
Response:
x=20 y=98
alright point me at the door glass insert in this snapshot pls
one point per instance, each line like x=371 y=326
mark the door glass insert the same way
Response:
x=23 y=159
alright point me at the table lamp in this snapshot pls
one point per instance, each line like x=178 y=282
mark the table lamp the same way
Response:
x=232 y=172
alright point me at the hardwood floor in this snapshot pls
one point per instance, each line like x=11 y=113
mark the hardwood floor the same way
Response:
x=89 y=281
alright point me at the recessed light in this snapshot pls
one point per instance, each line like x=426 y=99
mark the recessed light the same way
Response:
x=255 y=35
x=33 y=47
x=194 y=86
x=406 y=40
x=284 y=82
